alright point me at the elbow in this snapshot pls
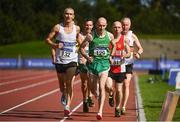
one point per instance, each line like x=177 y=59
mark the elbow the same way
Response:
x=129 y=54
x=142 y=50
x=47 y=41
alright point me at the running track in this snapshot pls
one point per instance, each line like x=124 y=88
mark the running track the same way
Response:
x=33 y=95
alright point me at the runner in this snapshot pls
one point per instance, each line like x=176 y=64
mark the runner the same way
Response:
x=85 y=83
x=66 y=34
x=133 y=41
x=120 y=50
x=98 y=59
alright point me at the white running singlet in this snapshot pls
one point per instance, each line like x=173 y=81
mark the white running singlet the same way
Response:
x=69 y=52
x=130 y=60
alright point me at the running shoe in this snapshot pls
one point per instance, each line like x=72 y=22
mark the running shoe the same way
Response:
x=111 y=100
x=99 y=116
x=85 y=106
x=66 y=111
x=123 y=111
x=63 y=100
x=117 y=112
x=90 y=102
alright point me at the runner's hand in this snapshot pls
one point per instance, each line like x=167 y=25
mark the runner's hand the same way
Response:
x=90 y=59
x=111 y=60
x=137 y=55
x=60 y=45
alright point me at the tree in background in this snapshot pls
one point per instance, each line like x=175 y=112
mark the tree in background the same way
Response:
x=22 y=21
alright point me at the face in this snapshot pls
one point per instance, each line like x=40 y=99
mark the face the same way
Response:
x=101 y=25
x=117 y=28
x=69 y=15
x=126 y=24
x=88 y=26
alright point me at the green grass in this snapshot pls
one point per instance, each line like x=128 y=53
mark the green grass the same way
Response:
x=38 y=49
x=162 y=37
x=153 y=96
x=34 y=49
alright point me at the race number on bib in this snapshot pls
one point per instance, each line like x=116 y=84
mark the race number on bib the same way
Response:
x=117 y=61
x=65 y=53
x=100 y=52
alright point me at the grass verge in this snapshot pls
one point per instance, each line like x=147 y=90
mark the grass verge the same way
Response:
x=161 y=37
x=34 y=49
x=153 y=96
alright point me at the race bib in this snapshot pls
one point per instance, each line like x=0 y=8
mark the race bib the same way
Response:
x=117 y=61
x=65 y=53
x=100 y=52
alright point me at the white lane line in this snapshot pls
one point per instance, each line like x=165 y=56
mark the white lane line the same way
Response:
x=78 y=106
x=23 y=79
x=140 y=108
x=21 y=75
x=34 y=99
x=29 y=86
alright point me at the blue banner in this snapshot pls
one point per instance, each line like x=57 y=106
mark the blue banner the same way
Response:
x=8 y=63
x=144 y=64
x=154 y=64
x=169 y=64
x=47 y=63
x=173 y=76
x=38 y=63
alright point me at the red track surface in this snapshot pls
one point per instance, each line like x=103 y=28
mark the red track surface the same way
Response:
x=33 y=95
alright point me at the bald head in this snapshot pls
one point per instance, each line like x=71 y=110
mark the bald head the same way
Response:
x=126 y=20
x=102 y=20
x=116 y=23
x=117 y=28
x=101 y=25
x=126 y=23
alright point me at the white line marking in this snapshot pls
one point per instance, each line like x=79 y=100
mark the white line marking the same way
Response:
x=140 y=108
x=21 y=75
x=78 y=106
x=34 y=99
x=23 y=79
x=29 y=86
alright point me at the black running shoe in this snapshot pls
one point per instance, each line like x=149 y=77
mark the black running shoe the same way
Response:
x=111 y=100
x=90 y=102
x=85 y=106
x=117 y=112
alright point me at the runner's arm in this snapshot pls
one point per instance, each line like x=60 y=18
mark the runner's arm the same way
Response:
x=84 y=44
x=112 y=46
x=138 y=45
x=53 y=55
x=50 y=37
x=78 y=36
x=127 y=50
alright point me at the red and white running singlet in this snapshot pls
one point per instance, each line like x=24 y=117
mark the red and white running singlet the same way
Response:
x=118 y=65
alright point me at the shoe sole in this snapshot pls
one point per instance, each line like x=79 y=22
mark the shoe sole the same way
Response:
x=123 y=113
x=85 y=111
x=66 y=113
x=99 y=117
x=117 y=116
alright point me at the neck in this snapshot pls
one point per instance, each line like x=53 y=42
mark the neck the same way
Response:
x=100 y=33
x=86 y=32
x=117 y=35
x=68 y=24
x=125 y=32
